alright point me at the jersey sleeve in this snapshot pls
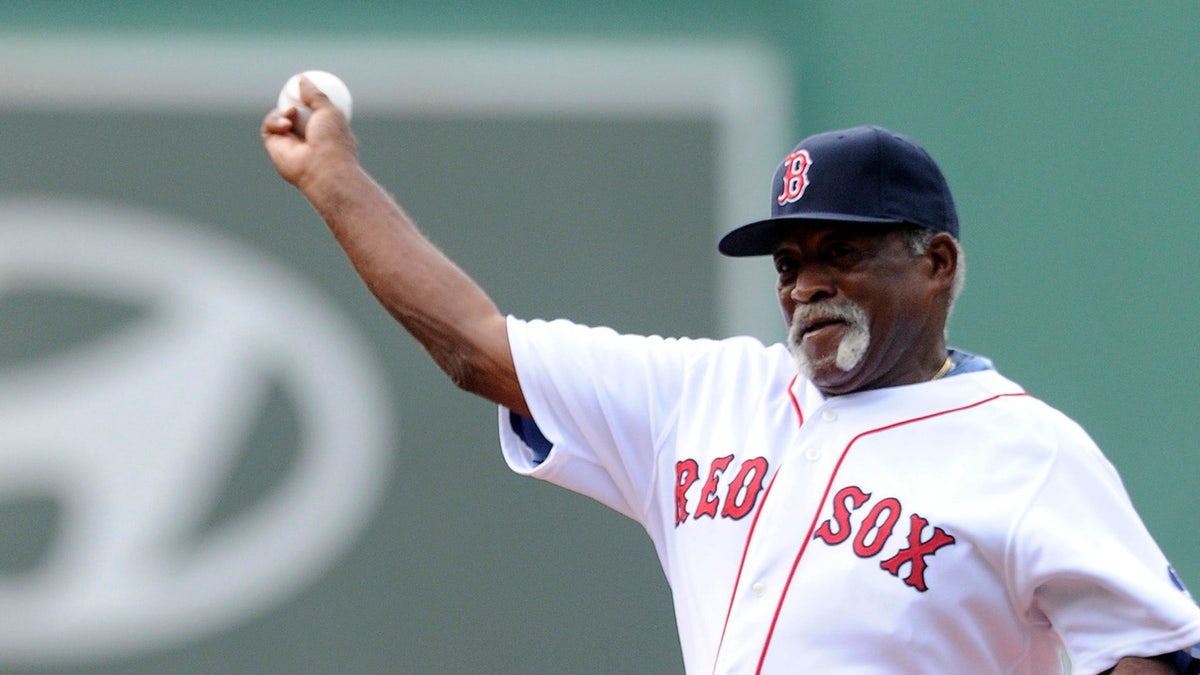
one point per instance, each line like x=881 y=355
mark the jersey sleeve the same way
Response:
x=602 y=401
x=1084 y=561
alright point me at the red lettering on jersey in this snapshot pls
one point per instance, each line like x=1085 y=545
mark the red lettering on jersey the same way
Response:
x=916 y=551
x=882 y=531
x=708 y=495
x=740 y=495
x=841 y=515
x=876 y=530
x=686 y=473
x=747 y=484
x=795 y=177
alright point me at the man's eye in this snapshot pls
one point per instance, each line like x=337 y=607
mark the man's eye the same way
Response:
x=838 y=251
x=784 y=265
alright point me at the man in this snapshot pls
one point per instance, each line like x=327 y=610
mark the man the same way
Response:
x=862 y=500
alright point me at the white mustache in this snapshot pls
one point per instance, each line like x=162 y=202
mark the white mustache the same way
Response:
x=850 y=350
x=843 y=310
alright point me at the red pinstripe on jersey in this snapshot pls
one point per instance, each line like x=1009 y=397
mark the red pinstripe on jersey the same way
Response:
x=795 y=401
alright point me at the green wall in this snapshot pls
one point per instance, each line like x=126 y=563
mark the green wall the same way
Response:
x=1068 y=132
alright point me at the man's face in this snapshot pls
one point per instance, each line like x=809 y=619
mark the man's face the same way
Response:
x=859 y=305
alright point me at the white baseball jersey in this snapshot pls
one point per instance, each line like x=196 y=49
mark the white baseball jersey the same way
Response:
x=954 y=526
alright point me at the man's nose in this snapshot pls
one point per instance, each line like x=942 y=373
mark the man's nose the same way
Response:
x=812 y=284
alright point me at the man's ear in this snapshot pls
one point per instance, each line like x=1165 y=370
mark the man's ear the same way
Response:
x=943 y=259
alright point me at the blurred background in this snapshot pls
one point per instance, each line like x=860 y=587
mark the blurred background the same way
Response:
x=219 y=454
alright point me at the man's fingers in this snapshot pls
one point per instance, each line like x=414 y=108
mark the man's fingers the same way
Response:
x=279 y=121
x=311 y=96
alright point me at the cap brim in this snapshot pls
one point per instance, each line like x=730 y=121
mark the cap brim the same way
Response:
x=762 y=237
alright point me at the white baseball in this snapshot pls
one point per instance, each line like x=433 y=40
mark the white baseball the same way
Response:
x=329 y=84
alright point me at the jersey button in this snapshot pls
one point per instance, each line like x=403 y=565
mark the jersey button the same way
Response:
x=829 y=415
x=759 y=589
x=812 y=454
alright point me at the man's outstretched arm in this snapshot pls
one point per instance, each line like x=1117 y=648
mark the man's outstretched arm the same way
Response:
x=443 y=308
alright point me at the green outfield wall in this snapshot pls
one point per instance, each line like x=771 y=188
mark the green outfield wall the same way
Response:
x=220 y=455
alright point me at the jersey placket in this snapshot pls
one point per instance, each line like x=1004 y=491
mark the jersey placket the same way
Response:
x=768 y=568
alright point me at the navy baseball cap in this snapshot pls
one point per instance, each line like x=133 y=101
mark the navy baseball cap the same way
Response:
x=862 y=175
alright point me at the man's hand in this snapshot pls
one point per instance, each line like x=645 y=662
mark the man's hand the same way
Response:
x=327 y=143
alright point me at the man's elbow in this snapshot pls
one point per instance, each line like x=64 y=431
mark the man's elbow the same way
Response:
x=462 y=369
x=490 y=378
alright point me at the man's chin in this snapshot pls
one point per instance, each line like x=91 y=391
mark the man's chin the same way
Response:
x=825 y=373
x=828 y=375
x=836 y=383
x=817 y=369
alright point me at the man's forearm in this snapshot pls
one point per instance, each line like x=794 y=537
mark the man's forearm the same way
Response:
x=435 y=300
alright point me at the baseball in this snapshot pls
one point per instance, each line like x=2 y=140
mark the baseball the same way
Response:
x=329 y=84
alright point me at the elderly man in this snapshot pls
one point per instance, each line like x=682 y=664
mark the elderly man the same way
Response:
x=863 y=499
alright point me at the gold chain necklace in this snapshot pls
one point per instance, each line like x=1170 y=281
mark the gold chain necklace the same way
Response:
x=943 y=370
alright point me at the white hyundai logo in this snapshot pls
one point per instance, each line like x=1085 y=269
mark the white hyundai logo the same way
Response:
x=134 y=433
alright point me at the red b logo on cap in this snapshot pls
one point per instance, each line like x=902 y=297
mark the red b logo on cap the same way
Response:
x=795 y=176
